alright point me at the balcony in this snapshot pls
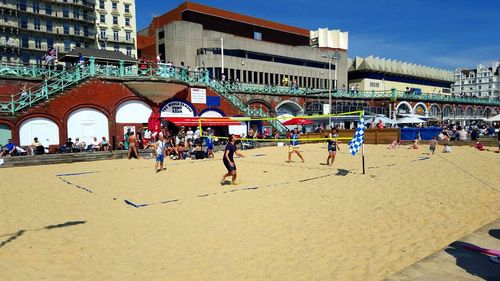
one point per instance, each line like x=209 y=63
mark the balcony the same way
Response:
x=13 y=43
x=85 y=4
x=89 y=19
x=119 y=39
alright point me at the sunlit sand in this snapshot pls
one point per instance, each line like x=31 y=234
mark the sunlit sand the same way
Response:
x=282 y=222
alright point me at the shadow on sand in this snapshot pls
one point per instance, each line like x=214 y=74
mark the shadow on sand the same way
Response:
x=14 y=236
x=475 y=263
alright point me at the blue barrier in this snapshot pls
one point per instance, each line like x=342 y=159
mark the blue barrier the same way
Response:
x=424 y=133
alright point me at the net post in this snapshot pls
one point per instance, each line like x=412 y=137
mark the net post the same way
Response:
x=363 y=144
x=363 y=156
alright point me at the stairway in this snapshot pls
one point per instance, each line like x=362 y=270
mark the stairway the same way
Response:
x=49 y=88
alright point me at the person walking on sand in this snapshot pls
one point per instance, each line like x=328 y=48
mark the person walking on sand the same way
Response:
x=228 y=160
x=333 y=146
x=294 y=145
x=432 y=145
x=160 y=153
x=132 y=146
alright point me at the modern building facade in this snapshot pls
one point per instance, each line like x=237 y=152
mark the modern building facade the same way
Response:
x=246 y=49
x=379 y=74
x=116 y=26
x=481 y=82
x=30 y=28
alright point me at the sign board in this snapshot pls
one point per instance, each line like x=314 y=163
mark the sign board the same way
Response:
x=198 y=95
x=177 y=109
x=326 y=108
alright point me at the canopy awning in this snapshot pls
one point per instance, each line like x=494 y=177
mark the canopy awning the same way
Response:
x=208 y=121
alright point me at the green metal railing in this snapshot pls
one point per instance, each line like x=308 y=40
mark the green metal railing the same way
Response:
x=28 y=71
x=57 y=81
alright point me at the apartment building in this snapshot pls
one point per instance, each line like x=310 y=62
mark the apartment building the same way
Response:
x=116 y=26
x=482 y=81
x=30 y=28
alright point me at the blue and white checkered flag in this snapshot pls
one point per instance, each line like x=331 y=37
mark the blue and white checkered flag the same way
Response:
x=359 y=137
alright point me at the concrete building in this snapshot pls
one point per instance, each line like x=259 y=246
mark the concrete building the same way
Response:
x=481 y=82
x=30 y=28
x=116 y=26
x=245 y=48
x=379 y=74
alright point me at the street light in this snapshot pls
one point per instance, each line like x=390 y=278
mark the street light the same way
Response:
x=335 y=56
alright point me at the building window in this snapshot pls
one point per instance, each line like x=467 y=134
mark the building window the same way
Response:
x=76 y=13
x=66 y=28
x=48 y=9
x=25 y=57
x=127 y=21
x=115 y=35
x=102 y=18
x=129 y=51
x=67 y=45
x=77 y=29
x=86 y=31
x=101 y=4
x=48 y=23
x=115 y=20
x=117 y=48
x=127 y=36
x=25 y=38
x=114 y=5
x=103 y=33
x=50 y=42
x=36 y=22
x=65 y=12
x=23 y=22
x=127 y=8
x=257 y=35
x=22 y=5
x=38 y=42
x=36 y=7
x=161 y=34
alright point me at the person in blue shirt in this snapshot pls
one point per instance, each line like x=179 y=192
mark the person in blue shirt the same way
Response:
x=294 y=145
x=333 y=146
x=210 y=143
x=8 y=149
x=228 y=160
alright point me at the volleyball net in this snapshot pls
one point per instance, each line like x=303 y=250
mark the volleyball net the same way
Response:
x=208 y=121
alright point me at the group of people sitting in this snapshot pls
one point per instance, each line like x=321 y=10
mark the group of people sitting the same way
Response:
x=80 y=146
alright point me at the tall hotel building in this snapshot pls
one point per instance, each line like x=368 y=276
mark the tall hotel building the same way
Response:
x=30 y=28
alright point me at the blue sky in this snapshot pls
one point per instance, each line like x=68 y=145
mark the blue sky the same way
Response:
x=441 y=33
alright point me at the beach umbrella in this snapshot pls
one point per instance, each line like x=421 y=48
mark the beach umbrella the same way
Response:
x=384 y=120
x=410 y=120
x=494 y=119
x=298 y=121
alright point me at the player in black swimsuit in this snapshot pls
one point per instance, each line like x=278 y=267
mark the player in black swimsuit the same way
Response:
x=333 y=146
x=228 y=160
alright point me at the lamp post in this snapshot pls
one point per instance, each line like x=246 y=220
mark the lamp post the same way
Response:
x=335 y=56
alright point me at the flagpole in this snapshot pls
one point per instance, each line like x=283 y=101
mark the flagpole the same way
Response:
x=363 y=148
x=363 y=156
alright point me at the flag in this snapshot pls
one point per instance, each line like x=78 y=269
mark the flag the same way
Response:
x=359 y=137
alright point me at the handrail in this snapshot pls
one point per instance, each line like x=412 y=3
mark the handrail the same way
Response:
x=56 y=81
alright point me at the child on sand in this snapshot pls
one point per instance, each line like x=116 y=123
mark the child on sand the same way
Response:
x=433 y=144
x=394 y=144
x=159 y=152
x=414 y=144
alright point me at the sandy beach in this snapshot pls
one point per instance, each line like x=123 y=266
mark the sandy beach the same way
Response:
x=283 y=222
